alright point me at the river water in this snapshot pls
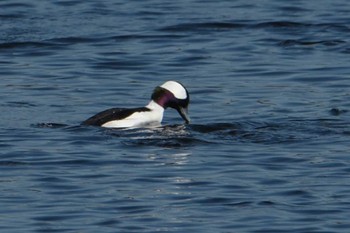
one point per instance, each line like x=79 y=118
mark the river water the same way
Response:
x=268 y=146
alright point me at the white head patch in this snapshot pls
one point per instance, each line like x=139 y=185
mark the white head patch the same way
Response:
x=177 y=89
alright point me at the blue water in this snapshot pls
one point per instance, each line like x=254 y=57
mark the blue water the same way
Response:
x=268 y=146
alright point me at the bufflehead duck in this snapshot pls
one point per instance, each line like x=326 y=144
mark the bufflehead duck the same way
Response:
x=171 y=94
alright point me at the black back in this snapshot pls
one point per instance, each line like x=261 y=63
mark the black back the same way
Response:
x=111 y=115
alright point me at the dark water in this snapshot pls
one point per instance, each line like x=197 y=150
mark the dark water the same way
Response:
x=268 y=148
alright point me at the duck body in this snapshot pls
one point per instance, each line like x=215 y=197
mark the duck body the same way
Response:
x=170 y=94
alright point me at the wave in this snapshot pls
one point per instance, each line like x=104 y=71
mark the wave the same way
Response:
x=176 y=31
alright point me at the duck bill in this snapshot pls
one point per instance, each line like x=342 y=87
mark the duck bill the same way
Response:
x=184 y=114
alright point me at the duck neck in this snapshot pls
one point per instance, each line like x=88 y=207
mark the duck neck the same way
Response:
x=152 y=105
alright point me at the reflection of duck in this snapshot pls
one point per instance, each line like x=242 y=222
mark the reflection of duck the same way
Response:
x=171 y=94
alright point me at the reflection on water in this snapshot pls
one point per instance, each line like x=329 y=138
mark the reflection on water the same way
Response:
x=169 y=159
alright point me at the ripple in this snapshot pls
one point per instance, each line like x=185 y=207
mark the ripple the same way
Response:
x=287 y=43
x=75 y=40
x=165 y=142
x=264 y=25
x=121 y=64
x=49 y=125
x=10 y=16
x=282 y=24
x=203 y=26
x=26 y=44
x=337 y=111
x=19 y=104
x=174 y=136
x=216 y=200
x=16 y=5
x=152 y=37
x=171 y=136
x=12 y=163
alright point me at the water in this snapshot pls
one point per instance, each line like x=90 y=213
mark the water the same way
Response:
x=268 y=146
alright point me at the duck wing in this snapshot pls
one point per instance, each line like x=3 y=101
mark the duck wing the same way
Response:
x=112 y=114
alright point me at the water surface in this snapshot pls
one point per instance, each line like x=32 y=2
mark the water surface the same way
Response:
x=267 y=149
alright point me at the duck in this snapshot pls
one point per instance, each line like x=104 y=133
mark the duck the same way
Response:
x=171 y=94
